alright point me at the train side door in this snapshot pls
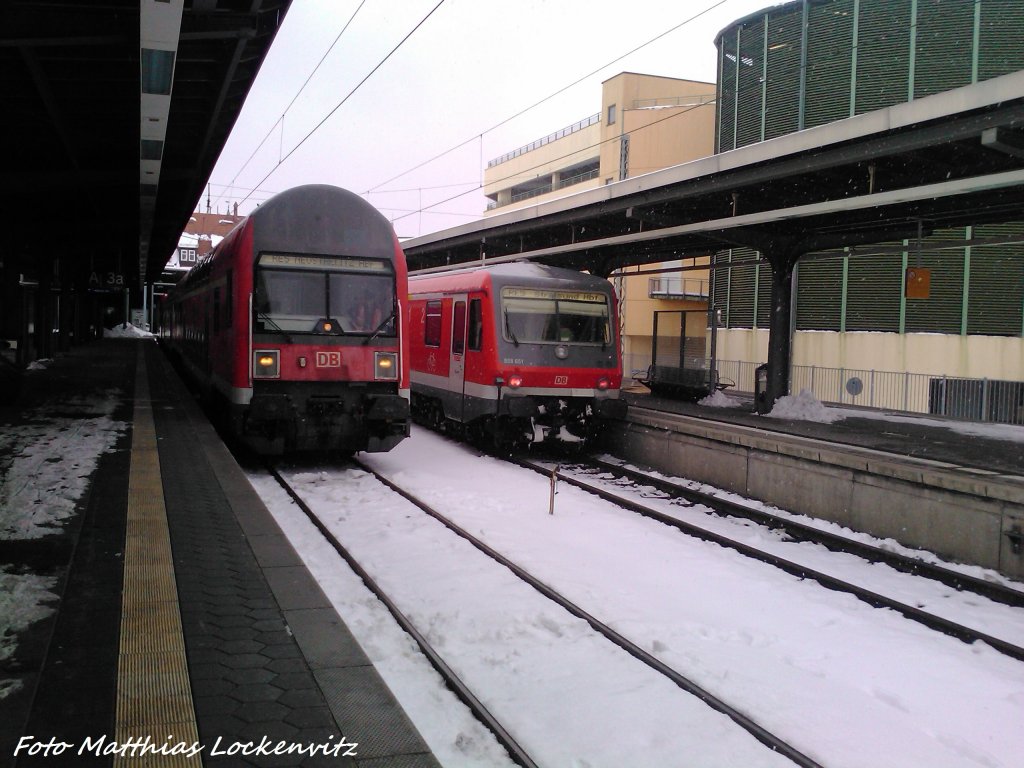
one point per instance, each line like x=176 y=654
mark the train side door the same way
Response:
x=457 y=365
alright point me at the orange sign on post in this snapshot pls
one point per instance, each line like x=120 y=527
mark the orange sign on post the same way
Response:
x=919 y=283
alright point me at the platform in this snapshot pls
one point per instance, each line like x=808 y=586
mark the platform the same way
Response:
x=184 y=619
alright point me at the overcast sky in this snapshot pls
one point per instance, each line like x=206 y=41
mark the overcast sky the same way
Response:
x=454 y=88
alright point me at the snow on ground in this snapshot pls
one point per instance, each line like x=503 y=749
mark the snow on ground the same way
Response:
x=807 y=407
x=848 y=684
x=997 y=620
x=126 y=331
x=25 y=598
x=45 y=465
x=566 y=694
x=890 y=545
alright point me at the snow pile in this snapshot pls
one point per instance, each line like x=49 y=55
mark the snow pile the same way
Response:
x=717 y=399
x=126 y=332
x=803 y=407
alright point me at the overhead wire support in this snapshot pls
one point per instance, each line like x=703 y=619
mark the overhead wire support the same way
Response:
x=280 y=120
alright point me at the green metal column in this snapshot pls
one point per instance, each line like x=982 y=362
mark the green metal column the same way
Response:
x=913 y=50
x=853 y=84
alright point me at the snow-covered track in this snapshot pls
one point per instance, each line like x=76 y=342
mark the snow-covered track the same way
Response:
x=452 y=680
x=798 y=531
x=931 y=620
x=757 y=731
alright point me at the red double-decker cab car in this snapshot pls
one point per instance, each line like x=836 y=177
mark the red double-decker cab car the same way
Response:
x=292 y=326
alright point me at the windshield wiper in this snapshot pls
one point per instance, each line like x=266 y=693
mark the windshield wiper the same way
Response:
x=268 y=320
x=508 y=328
x=380 y=329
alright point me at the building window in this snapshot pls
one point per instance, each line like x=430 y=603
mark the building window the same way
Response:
x=611 y=114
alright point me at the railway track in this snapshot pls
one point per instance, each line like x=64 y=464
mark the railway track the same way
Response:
x=798 y=532
x=516 y=751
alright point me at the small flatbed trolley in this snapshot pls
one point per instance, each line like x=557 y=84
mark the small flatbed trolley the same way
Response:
x=292 y=326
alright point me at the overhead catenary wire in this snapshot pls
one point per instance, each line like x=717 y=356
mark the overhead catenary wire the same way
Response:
x=298 y=93
x=348 y=95
x=797 y=66
x=547 y=98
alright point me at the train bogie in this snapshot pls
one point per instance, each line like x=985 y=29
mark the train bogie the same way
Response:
x=515 y=354
x=293 y=326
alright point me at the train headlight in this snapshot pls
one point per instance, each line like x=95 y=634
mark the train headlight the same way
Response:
x=385 y=366
x=266 y=364
x=515 y=381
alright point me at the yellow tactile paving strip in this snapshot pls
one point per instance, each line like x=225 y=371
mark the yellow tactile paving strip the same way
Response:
x=154 y=698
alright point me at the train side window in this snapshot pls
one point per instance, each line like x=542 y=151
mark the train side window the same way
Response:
x=229 y=292
x=476 y=326
x=459 y=329
x=216 y=310
x=432 y=324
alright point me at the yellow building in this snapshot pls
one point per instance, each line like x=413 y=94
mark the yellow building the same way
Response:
x=645 y=123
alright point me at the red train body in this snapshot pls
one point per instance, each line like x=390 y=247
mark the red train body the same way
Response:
x=516 y=353
x=294 y=325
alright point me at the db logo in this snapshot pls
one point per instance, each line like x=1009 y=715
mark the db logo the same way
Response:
x=328 y=359
x=561 y=380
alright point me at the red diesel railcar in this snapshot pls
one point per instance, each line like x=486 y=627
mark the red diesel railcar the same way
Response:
x=516 y=354
x=294 y=324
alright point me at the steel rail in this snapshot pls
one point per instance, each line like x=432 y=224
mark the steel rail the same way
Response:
x=874 y=599
x=994 y=591
x=452 y=680
x=757 y=731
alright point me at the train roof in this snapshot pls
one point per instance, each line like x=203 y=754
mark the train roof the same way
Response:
x=319 y=218
x=525 y=273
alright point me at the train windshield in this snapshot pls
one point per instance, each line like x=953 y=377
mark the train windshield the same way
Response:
x=321 y=294
x=531 y=315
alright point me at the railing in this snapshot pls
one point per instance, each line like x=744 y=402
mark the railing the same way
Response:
x=570 y=129
x=676 y=287
x=535 y=192
x=984 y=400
x=969 y=399
x=675 y=101
x=579 y=178
x=562 y=183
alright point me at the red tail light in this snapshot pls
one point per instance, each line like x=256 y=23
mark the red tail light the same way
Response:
x=602 y=384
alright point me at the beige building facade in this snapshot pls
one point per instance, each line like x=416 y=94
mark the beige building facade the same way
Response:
x=645 y=123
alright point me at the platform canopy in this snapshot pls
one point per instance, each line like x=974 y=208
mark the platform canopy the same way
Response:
x=114 y=114
x=945 y=160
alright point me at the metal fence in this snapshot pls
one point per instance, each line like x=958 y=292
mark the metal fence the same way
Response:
x=985 y=400
x=570 y=129
x=671 y=286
